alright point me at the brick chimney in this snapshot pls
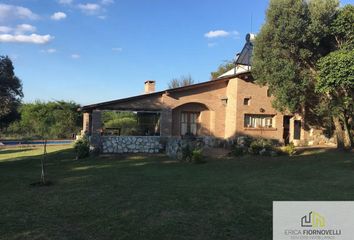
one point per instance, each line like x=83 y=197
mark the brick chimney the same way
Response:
x=149 y=86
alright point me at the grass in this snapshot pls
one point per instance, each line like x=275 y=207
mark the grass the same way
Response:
x=155 y=198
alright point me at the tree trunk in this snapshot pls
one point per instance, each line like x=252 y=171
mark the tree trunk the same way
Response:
x=43 y=177
x=347 y=134
x=339 y=133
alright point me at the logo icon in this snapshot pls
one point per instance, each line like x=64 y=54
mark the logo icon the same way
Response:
x=313 y=219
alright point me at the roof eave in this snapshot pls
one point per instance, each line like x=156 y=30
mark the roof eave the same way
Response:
x=213 y=81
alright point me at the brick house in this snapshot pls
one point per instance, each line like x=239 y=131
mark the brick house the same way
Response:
x=223 y=108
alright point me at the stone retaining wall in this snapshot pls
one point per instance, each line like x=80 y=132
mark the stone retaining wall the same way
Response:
x=131 y=144
x=174 y=145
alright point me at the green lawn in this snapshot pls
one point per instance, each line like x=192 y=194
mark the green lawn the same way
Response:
x=156 y=198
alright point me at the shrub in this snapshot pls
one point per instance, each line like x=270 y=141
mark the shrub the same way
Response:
x=244 y=141
x=289 y=149
x=82 y=148
x=260 y=146
x=197 y=156
x=186 y=153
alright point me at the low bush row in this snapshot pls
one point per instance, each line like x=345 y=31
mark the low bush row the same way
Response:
x=261 y=146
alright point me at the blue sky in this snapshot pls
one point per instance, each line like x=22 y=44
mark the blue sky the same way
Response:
x=97 y=50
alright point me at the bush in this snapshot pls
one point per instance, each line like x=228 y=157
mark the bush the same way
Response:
x=289 y=149
x=244 y=141
x=197 y=156
x=260 y=146
x=82 y=148
x=186 y=153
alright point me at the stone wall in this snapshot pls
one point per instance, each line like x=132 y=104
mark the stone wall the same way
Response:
x=131 y=144
x=174 y=145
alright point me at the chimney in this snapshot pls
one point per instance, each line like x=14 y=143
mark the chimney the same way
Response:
x=149 y=86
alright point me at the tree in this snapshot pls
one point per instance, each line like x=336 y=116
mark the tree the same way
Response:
x=10 y=87
x=336 y=84
x=342 y=27
x=126 y=122
x=67 y=120
x=42 y=120
x=297 y=33
x=9 y=118
x=184 y=80
x=336 y=76
x=223 y=68
x=288 y=47
x=334 y=71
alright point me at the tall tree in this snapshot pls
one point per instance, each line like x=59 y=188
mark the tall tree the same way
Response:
x=336 y=77
x=336 y=84
x=295 y=36
x=10 y=87
x=184 y=80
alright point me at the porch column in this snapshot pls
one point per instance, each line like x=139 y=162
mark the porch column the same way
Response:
x=86 y=123
x=231 y=109
x=96 y=129
x=166 y=123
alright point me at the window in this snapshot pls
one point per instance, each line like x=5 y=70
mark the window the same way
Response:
x=246 y=101
x=259 y=121
x=189 y=123
x=297 y=129
x=269 y=94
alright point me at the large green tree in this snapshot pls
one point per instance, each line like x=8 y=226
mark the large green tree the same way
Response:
x=64 y=118
x=10 y=88
x=288 y=47
x=296 y=35
x=336 y=84
x=336 y=76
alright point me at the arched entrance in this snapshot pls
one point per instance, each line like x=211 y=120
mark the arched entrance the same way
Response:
x=191 y=119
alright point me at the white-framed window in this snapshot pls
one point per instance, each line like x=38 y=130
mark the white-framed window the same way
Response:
x=258 y=121
x=189 y=123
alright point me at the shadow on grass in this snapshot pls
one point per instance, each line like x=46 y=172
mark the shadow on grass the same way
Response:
x=15 y=150
x=56 y=155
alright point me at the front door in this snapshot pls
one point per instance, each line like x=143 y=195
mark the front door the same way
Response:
x=286 y=128
x=189 y=123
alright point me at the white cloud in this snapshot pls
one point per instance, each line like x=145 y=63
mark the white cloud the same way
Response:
x=90 y=8
x=19 y=29
x=8 y=12
x=49 y=50
x=5 y=29
x=65 y=1
x=117 y=49
x=23 y=28
x=58 y=16
x=21 y=38
x=102 y=17
x=75 y=56
x=216 y=34
x=107 y=2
